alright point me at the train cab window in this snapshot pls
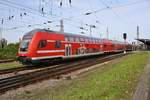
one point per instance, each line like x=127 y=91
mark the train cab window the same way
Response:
x=42 y=44
x=57 y=44
x=71 y=39
x=66 y=39
x=77 y=39
x=24 y=45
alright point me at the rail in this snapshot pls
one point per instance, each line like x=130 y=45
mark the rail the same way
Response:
x=50 y=72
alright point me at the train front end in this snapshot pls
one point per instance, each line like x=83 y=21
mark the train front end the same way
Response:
x=25 y=51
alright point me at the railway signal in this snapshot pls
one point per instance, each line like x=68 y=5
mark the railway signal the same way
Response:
x=125 y=37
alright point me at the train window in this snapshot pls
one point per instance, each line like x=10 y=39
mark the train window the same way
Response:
x=93 y=41
x=71 y=39
x=77 y=39
x=66 y=39
x=82 y=40
x=86 y=40
x=42 y=44
x=57 y=44
x=96 y=41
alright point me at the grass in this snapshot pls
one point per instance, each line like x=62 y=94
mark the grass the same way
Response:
x=117 y=82
x=9 y=51
x=9 y=65
x=114 y=81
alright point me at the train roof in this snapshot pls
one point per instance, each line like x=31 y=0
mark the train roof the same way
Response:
x=57 y=32
x=31 y=33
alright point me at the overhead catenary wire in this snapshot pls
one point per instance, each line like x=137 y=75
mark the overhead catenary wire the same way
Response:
x=110 y=7
x=38 y=11
x=23 y=8
x=91 y=7
x=17 y=21
x=119 y=6
x=23 y=21
x=107 y=6
x=96 y=11
x=31 y=10
x=68 y=19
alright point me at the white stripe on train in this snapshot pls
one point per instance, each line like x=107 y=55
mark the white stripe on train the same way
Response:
x=50 y=51
x=72 y=56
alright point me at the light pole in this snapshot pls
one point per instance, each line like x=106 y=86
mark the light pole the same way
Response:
x=107 y=31
x=0 y=37
x=1 y=28
x=0 y=33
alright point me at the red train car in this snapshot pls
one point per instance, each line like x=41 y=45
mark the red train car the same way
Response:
x=42 y=45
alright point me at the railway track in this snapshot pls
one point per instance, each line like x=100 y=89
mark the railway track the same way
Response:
x=13 y=70
x=50 y=72
x=8 y=60
x=23 y=68
x=19 y=69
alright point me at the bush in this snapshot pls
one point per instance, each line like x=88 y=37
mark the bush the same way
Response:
x=10 y=51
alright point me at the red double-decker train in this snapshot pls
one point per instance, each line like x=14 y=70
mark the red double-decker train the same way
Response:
x=41 y=45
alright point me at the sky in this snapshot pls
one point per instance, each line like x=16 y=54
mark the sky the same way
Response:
x=18 y=17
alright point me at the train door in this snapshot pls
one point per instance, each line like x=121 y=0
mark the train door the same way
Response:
x=68 y=50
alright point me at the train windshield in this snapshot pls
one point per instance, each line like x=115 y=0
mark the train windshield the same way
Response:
x=24 y=45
